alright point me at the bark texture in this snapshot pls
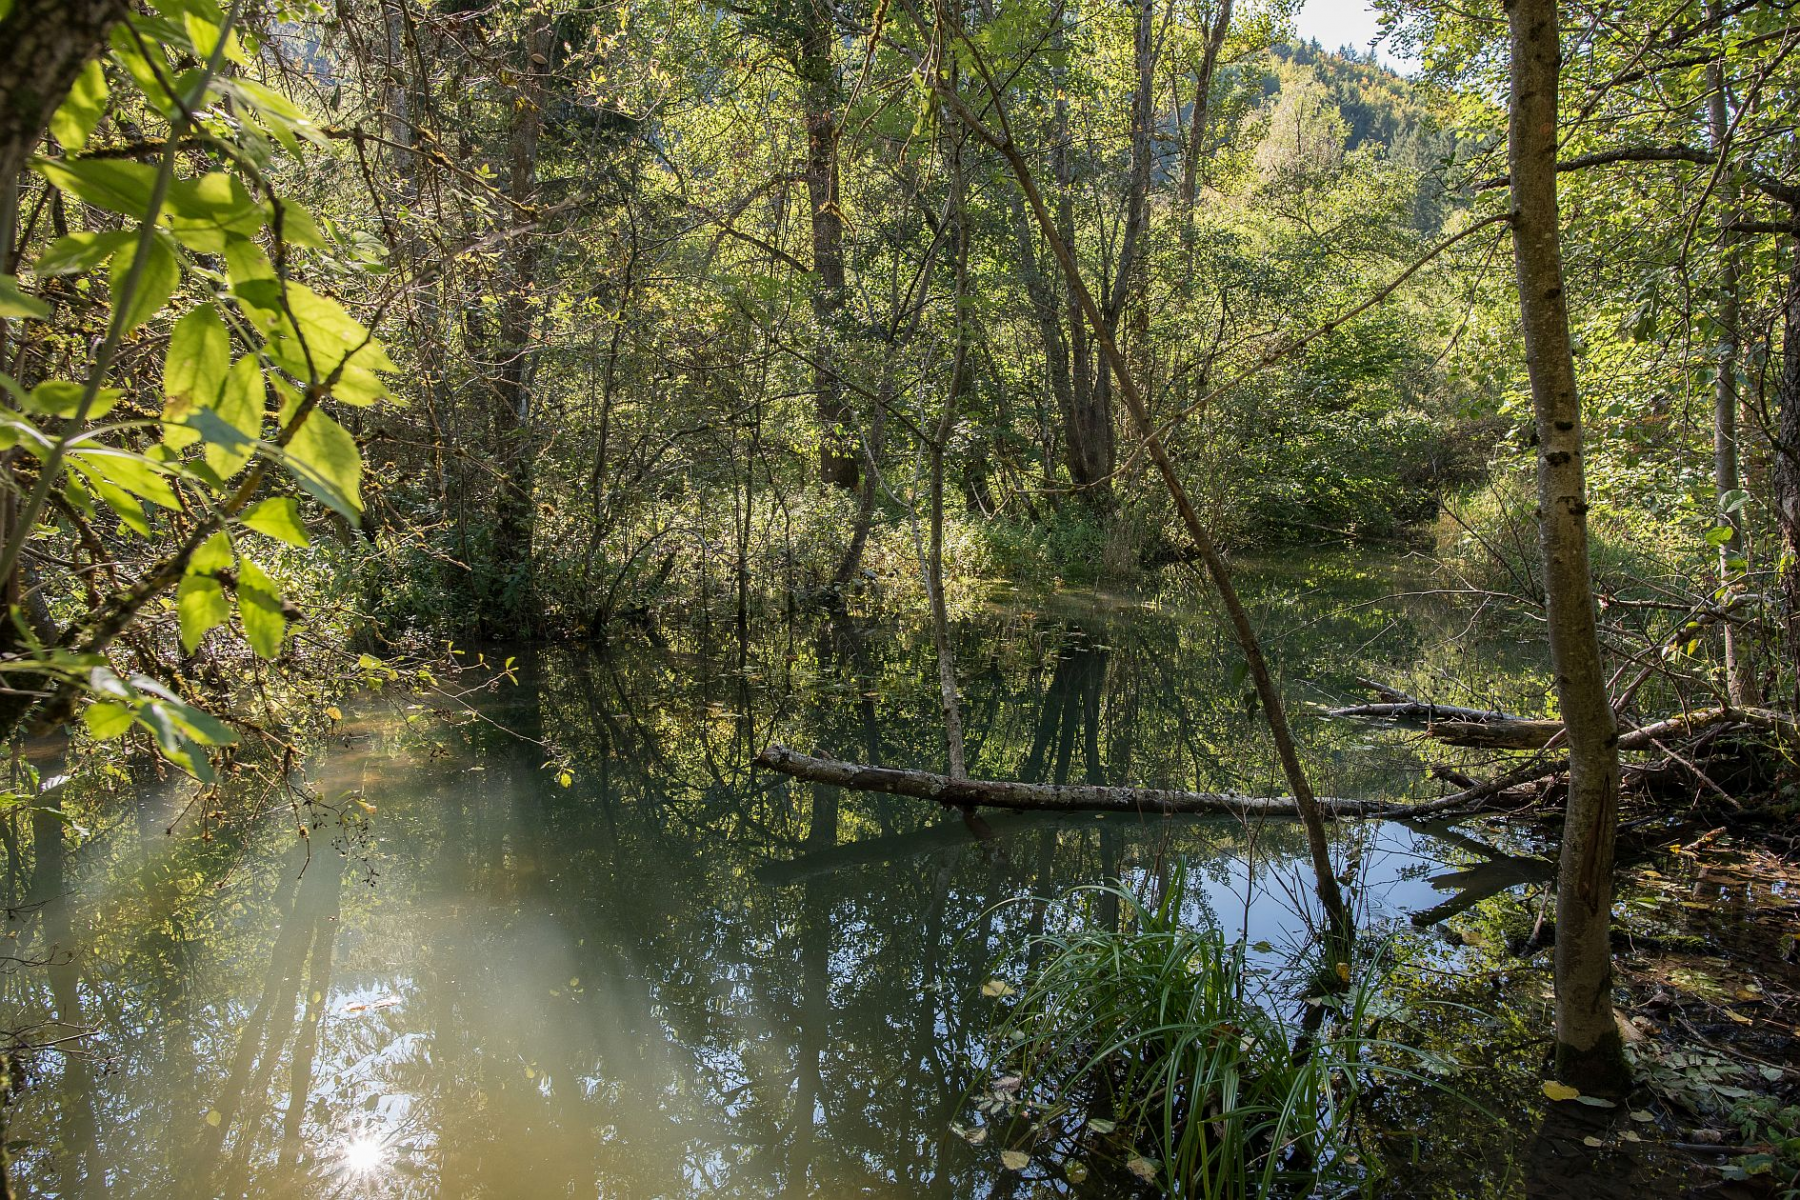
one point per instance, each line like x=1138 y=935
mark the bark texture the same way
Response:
x=1589 y=1052
x=43 y=46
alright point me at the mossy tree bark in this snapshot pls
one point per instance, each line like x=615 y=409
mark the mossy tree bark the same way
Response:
x=1589 y=1052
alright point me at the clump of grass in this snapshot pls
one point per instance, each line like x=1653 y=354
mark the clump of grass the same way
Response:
x=1138 y=1050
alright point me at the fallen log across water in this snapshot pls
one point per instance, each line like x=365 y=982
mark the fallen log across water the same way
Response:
x=1078 y=797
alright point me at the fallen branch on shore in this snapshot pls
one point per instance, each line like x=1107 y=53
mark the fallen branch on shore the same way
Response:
x=1077 y=797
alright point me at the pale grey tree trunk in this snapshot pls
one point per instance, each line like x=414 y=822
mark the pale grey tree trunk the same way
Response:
x=1589 y=1052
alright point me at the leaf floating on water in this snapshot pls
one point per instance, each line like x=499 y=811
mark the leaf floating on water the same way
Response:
x=1343 y=972
x=1592 y=1142
x=1142 y=1167
x=974 y=1136
x=1639 y=1114
x=1101 y=1125
x=1075 y=1172
x=1560 y=1091
x=1007 y=1083
x=1015 y=1160
x=1631 y=1135
x=213 y=1117
x=1595 y=1102
x=995 y=988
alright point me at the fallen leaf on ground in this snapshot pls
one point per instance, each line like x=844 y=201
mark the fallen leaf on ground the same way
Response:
x=1560 y=1091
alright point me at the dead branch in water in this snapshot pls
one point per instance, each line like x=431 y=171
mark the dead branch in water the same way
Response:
x=1072 y=797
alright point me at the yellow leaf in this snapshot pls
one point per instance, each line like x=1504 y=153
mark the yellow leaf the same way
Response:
x=1015 y=1160
x=564 y=779
x=334 y=713
x=213 y=1118
x=995 y=988
x=1343 y=972
x=1560 y=1091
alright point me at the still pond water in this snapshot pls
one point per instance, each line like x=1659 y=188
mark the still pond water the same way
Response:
x=603 y=957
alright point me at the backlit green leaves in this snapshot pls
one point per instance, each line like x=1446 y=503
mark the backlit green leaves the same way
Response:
x=194 y=372
x=279 y=518
x=323 y=457
x=73 y=123
x=240 y=407
x=181 y=731
x=113 y=184
x=82 y=251
x=14 y=303
x=144 y=296
x=200 y=604
x=259 y=606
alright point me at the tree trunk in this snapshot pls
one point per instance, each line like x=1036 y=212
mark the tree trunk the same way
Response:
x=1202 y=110
x=838 y=458
x=1787 y=458
x=948 y=696
x=515 y=506
x=43 y=46
x=1589 y=1052
x=1088 y=442
x=1740 y=677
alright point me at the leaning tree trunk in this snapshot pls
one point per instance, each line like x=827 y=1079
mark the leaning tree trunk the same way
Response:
x=1589 y=1051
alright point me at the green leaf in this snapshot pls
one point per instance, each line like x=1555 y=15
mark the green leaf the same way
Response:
x=106 y=719
x=194 y=372
x=321 y=340
x=1719 y=535
x=214 y=554
x=113 y=184
x=62 y=398
x=81 y=251
x=200 y=603
x=205 y=36
x=241 y=405
x=14 y=303
x=155 y=284
x=123 y=503
x=123 y=469
x=278 y=517
x=324 y=459
x=204 y=213
x=259 y=606
x=73 y=122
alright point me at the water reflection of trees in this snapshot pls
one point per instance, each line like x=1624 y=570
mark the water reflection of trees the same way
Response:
x=676 y=976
